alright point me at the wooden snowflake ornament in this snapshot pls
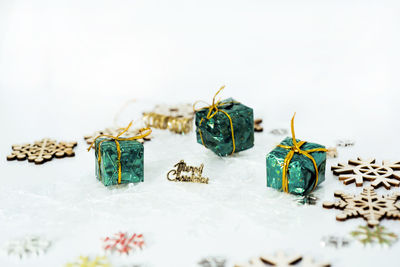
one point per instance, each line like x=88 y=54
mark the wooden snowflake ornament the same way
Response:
x=335 y=241
x=358 y=171
x=367 y=205
x=257 y=125
x=114 y=132
x=42 y=151
x=378 y=234
x=282 y=260
x=309 y=199
x=212 y=262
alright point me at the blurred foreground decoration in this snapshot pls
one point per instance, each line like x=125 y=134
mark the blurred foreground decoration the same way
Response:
x=280 y=259
x=25 y=247
x=124 y=243
x=86 y=262
x=378 y=234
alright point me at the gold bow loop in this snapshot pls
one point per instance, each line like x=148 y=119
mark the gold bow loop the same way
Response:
x=142 y=133
x=296 y=148
x=213 y=110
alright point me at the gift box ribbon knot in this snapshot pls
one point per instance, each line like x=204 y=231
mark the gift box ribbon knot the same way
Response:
x=296 y=148
x=213 y=110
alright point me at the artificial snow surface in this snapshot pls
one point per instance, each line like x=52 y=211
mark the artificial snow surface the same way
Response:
x=67 y=67
x=234 y=216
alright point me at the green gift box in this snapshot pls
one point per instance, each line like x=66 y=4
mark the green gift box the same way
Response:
x=108 y=164
x=301 y=173
x=215 y=124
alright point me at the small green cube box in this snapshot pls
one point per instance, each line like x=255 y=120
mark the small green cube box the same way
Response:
x=132 y=154
x=301 y=172
x=216 y=132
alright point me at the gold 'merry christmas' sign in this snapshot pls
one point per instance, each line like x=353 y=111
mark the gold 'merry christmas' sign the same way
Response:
x=194 y=174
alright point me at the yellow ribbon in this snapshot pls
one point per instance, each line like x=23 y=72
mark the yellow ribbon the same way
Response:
x=117 y=138
x=213 y=109
x=295 y=148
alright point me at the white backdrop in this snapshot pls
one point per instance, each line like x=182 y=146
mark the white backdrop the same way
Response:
x=66 y=67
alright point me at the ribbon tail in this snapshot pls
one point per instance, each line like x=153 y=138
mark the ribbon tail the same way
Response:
x=315 y=167
x=119 y=161
x=286 y=162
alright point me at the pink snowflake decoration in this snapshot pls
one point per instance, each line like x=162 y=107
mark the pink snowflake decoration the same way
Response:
x=123 y=242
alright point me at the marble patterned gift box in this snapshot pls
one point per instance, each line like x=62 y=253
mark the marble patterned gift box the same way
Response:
x=132 y=155
x=215 y=124
x=301 y=174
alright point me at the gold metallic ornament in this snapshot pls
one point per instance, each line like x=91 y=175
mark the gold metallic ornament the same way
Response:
x=178 y=119
x=194 y=174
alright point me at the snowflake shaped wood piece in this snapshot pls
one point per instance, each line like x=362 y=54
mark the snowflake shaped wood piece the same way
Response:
x=358 y=171
x=378 y=234
x=31 y=245
x=124 y=243
x=282 y=260
x=257 y=125
x=335 y=241
x=309 y=199
x=42 y=151
x=368 y=205
x=279 y=131
x=345 y=143
x=86 y=262
x=212 y=262
x=114 y=132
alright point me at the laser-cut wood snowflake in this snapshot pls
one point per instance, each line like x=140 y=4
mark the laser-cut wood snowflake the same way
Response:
x=335 y=241
x=257 y=125
x=282 y=260
x=368 y=205
x=42 y=151
x=114 y=132
x=123 y=243
x=378 y=234
x=212 y=262
x=358 y=171
x=309 y=199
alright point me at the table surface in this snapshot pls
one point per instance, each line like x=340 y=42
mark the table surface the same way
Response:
x=67 y=69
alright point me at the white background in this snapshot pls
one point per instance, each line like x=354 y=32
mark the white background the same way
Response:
x=67 y=67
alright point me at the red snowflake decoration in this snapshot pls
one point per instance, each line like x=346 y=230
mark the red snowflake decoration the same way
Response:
x=123 y=242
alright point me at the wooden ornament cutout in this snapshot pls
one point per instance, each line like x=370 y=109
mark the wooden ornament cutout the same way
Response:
x=42 y=151
x=257 y=125
x=376 y=235
x=332 y=152
x=335 y=241
x=358 y=171
x=113 y=131
x=282 y=260
x=368 y=205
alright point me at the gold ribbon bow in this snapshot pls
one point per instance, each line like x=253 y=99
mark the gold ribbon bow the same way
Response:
x=296 y=148
x=116 y=139
x=213 y=109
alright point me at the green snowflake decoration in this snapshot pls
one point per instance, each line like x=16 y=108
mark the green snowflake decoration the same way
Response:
x=378 y=234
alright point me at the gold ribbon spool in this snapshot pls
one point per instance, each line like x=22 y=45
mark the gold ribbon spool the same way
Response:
x=174 y=124
x=116 y=139
x=213 y=109
x=295 y=148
